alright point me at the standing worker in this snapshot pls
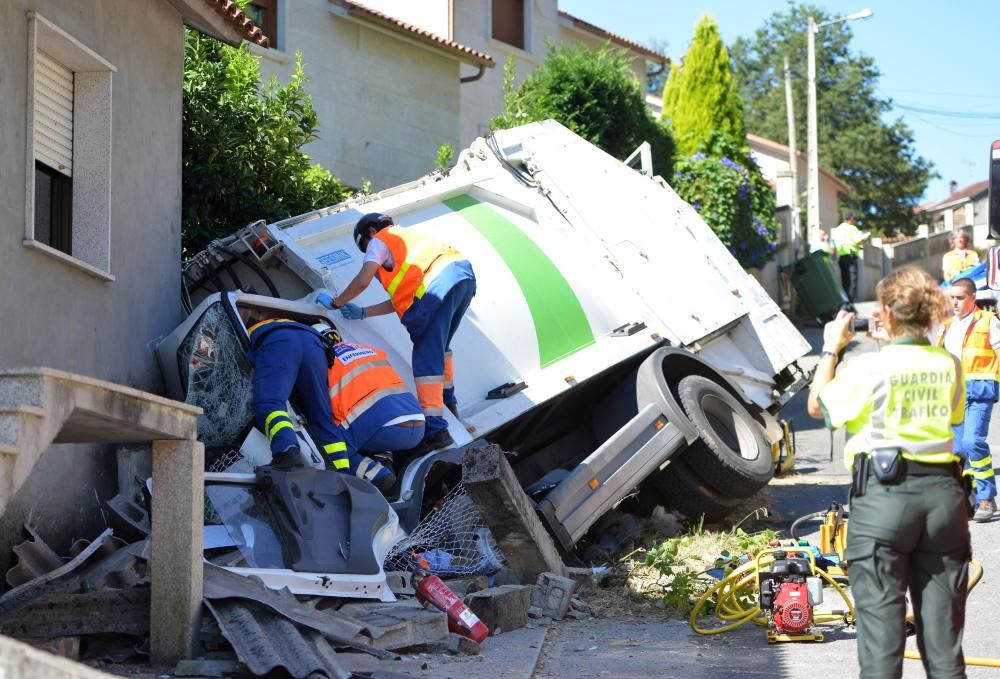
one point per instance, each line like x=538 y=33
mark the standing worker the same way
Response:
x=372 y=408
x=430 y=286
x=909 y=526
x=291 y=357
x=973 y=336
x=847 y=238
x=959 y=258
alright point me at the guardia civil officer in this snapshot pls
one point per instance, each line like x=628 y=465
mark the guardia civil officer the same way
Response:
x=909 y=521
x=430 y=286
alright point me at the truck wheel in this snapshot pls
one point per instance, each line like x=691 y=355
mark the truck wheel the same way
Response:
x=682 y=489
x=735 y=458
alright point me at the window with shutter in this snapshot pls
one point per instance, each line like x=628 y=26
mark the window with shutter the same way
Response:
x=54 y=114
x=68 y=174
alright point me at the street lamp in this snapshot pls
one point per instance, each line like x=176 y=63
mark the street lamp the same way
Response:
x=812 y=136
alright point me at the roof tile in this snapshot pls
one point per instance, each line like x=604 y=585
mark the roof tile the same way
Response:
x=229 y=11
x=615 y=38
x=374 y=16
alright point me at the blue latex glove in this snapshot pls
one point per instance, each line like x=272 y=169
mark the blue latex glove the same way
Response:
x=324 y=299
x=352 y=312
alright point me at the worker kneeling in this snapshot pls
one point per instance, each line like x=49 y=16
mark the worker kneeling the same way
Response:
x=372 y=409
x=294 y=359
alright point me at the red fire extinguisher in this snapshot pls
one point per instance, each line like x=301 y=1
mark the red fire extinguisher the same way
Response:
x=431 y=590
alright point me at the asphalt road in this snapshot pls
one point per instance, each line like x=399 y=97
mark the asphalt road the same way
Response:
x=611 y=647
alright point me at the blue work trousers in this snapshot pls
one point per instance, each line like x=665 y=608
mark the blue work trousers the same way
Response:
x=970 y=442
x=394 y=438
x=288 y=360
x=432 y=355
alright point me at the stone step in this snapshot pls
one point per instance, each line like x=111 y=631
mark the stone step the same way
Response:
x=13 y=420
x=19 y=389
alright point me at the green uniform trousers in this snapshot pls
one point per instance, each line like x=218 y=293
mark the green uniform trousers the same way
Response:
x=911 y=533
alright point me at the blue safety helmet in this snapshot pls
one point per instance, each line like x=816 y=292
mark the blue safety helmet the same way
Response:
x=375 y=220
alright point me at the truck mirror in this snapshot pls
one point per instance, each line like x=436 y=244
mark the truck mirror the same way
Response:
x=994 y=198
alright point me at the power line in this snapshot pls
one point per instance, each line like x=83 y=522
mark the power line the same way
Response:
x=964 y=115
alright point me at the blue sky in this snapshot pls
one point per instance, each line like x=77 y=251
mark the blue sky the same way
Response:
x=932 y=55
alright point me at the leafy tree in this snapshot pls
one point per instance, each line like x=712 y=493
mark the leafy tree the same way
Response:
x=877 y=159
x=242 y=157
x=654 y=84
x=701 y=97
x=727 y=189
x=595 y=94
x=715 y=172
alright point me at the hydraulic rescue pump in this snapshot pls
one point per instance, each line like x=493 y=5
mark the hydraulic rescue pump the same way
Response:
x=788 y=593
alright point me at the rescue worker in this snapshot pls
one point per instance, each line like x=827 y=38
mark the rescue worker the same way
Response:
x=847 y=238
x=291 y=357
x=973 y=336
x=908 y=525
x=430 y=286
x=372 y=408
x=959 y=258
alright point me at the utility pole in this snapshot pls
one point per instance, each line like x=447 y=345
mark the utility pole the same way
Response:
x=812 y=141
x=793 y=164
x=812 y=136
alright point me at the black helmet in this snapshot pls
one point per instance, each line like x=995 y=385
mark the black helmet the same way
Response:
x=373 y=219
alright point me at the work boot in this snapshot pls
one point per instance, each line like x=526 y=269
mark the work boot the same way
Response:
x=289 y=457
x=985 y=510
x=432 y=443
x=374 y=472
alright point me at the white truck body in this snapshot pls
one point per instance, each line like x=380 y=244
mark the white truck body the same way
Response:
x=592 y=279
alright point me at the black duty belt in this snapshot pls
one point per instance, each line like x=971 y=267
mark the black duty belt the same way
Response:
x=914 y=468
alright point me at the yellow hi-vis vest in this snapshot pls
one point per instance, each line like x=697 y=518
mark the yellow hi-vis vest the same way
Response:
x=417 y=259
x=906 y=396
x=979 y=360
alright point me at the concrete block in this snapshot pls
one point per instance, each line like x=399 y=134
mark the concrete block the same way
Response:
x=463 y=586
x=553 y=594
x=503 y=608
x=509 y=513
x=588 y=577
x=459 y=645
x=176 y=565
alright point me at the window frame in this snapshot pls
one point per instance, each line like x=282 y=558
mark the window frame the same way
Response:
x=275 y=12
x=525 y=27
x=88 y=242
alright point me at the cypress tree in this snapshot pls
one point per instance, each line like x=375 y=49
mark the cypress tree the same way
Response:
x=702 y=97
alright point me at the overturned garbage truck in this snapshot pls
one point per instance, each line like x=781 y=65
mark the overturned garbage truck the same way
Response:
x=614 y=342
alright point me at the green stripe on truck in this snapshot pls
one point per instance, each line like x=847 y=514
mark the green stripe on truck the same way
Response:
x=561 y=325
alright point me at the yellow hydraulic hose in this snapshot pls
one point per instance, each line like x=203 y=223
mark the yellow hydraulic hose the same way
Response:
x=726 y=593
x=729 y=609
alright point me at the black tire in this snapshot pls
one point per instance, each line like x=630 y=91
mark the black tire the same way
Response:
x=735 y=458
x=679 y=487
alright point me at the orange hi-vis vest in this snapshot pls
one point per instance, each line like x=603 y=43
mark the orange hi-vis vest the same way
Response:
x=359 y=378
x=979 y=360
x=417 y=260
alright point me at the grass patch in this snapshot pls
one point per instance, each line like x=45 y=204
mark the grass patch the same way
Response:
x=671 y=574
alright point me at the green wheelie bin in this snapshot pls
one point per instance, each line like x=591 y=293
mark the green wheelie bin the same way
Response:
x=818 y=288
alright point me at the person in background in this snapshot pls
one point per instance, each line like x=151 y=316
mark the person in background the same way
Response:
x=824 y=245
x=909 y=527
x=960 y=257
x=973 y=336
x=847 y=239
x=430 y=287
